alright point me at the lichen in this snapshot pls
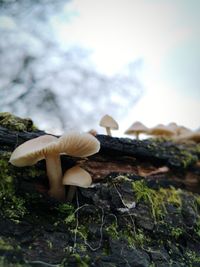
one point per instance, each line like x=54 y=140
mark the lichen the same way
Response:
x=15 y=123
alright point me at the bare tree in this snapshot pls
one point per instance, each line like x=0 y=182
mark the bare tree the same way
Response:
x=57 y=88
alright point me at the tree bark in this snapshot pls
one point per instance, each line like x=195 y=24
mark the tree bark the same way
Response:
x=142 y=209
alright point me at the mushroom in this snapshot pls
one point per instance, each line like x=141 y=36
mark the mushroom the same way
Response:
x=109 y=123
x=161 y=130
x=78 y=145
x=182 y=130
x=76 y=176
x=93 y=132
x=34 y=150
x=136 y=128
x=173 y=126
x=49 y=148
x=190 y=136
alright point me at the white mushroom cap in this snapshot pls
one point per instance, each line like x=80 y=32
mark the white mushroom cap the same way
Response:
x=77 y=176
x=190 y=136
x=108 y=122
x=137 y=127
x=78 y=144
x=43 y=147
x=161 y=130
x=173 y=126
x=30 y=152
x=195 y=136
x=182 y=130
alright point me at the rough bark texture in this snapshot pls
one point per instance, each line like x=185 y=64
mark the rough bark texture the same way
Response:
x=142 y=210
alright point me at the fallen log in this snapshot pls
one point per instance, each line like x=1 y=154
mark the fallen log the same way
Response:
x=142 y=209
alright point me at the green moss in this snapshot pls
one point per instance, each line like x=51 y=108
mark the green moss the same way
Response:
x=140 y=238
x=66 y=214
x=5 y=245
x=6 y=180
x=81 y=231
x=176 y=232
x=135 y=238
x=197 y=228
x=188 y=158
x=157 y=199
x=33 y=172
x=81 y=261
x=197 y=200
x=112 y=230
x=12 y=206
x=49 y=244
x=5 y=263
x=65 y=209
x=81 y=248
x=15 y=123
x=192 y=258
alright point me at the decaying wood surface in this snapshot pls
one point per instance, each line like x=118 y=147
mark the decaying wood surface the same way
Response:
x=161 y=161
x=133 y=215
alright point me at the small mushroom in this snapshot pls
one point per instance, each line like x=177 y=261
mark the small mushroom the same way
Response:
x=190 y=136
x=76 y=176
x=182 y=130
x=93 y=132
x=34 y=150
x=183 y=134
x=136 y=128
x=109 y=123
x=78 y=144
x=161 y=130
x=173 y=126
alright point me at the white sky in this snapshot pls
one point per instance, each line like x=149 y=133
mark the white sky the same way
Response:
x=164 y=33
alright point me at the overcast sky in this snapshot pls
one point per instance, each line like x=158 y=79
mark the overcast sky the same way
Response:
x=165 y=34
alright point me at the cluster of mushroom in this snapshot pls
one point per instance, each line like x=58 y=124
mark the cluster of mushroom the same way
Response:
x=172 y=130
x=50 y=148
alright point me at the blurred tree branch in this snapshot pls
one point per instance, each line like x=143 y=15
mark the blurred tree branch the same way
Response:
x=42 y=80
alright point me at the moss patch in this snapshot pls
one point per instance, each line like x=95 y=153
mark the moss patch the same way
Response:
x=15 y=123
x=4 y=263
x=12 y=206
x=5 y=245
x=156 y=198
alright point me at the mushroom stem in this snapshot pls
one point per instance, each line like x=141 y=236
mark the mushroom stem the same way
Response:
x=54 y=173
x=137 y=136
x=71 y=192
x=108 y=131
